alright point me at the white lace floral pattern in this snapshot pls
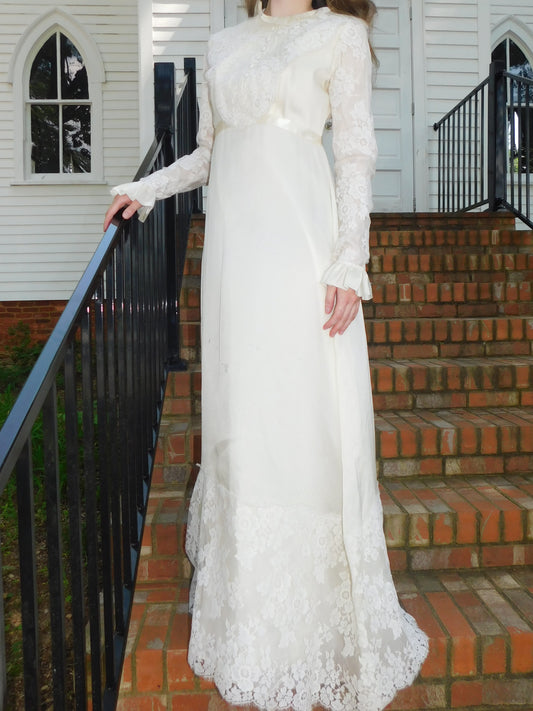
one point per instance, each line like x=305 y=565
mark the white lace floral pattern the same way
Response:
x=281 y=635
x=244 y=84
x=355 y=152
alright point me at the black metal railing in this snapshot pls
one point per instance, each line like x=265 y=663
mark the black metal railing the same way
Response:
x=485 y=150
x=92 y=406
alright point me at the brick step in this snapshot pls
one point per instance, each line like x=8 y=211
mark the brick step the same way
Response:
x=479 y=624
x=454 y=293
x=162 y=559
x=449 y=337
x=451 y=442
x=179 y=440
x=435 y=524
x=470 y=238
x=193 y=263
x=424 y=337
x=458 y=523
x=480 y=628
x=460 y=220
x=190 y=349
x=452 y=310
x=428 y=264
x=458 y=382
x=485 y=277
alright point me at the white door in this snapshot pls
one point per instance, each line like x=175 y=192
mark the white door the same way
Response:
x=393 y=113
x=393 y=100
x=234 y=12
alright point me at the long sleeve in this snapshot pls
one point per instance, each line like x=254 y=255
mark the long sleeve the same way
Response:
x=355 y=152
x=187 y=173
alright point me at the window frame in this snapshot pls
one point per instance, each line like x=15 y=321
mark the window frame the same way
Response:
x=28 y=47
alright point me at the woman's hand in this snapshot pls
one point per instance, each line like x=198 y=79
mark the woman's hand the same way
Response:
x=342 y=305
x=118 y=203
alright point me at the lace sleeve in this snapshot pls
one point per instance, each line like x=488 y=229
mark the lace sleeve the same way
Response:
x=187 y=173
x=354 y=150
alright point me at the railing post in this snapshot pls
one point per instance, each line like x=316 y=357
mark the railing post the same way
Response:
x=165 y=112
x=497 y=136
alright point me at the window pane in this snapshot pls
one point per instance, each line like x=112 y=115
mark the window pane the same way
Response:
x=76 y=139
x=73 y=72
x=43 y=76
x=45 y=139
x=518 y=63
x=500 y=54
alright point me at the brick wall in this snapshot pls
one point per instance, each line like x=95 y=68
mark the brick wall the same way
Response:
x=41 y=316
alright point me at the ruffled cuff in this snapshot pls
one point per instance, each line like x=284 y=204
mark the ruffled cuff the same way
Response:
x=349 y=276
x=141 y=191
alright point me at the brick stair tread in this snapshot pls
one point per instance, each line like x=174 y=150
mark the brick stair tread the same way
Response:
x=480 y=627
x=479 y=624
x=452 y=382
x=409 y=308
x=427 y=330
x=418 y=220
x=451 y=267
x=455 y=292
x=458 y=441
x=458 y=522
x=485 y=238
x=436 y=523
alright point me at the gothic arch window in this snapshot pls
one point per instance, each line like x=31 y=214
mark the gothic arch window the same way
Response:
x=59 y=109
x=513 y=57
x=512 y=52
x=57 y=77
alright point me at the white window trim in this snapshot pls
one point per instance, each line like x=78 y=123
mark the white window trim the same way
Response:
x=513 y=28
x=25 y=52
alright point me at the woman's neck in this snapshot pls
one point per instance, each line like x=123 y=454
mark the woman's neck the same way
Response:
x=283 y=8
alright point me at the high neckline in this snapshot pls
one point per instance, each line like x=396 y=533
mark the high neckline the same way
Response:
x=286 y=19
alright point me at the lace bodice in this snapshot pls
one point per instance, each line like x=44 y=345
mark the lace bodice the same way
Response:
x=293 y=72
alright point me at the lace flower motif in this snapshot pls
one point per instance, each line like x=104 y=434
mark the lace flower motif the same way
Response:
x=281 y=636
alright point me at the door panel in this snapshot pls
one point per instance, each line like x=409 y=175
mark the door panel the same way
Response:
x=234 y=12
x=393 y=184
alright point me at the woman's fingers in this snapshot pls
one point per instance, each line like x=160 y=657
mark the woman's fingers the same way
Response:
x=118 y=203
x=330 y=298
x=345 y=304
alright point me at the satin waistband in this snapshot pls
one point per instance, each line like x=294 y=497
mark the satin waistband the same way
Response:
x=280 y=122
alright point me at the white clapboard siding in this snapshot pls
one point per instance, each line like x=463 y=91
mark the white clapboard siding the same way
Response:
x=452 y=67
x=521 y=11
x=48 y=233
x=181 y=30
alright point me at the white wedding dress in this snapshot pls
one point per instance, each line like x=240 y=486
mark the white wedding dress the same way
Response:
x=293 y=604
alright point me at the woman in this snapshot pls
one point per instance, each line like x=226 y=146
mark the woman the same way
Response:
x=293 y=604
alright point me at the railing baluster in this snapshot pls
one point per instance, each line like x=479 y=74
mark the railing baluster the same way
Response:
x=122 y=425
x=77 y=576
x=528 y=149
x=28 y=578
x=105 y=457
x=114 y=443
x=54 y=546
x=470 y=180
x=480 y=137
x=519 y=114
x=91 y=525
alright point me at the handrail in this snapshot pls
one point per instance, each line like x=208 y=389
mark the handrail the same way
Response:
x=485 y=149
x=97 y=387
x=461 y=103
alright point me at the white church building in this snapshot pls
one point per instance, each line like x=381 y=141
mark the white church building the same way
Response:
x=98 y=92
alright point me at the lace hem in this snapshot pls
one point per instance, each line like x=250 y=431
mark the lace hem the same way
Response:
x=279 y=618
x=349 y=276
